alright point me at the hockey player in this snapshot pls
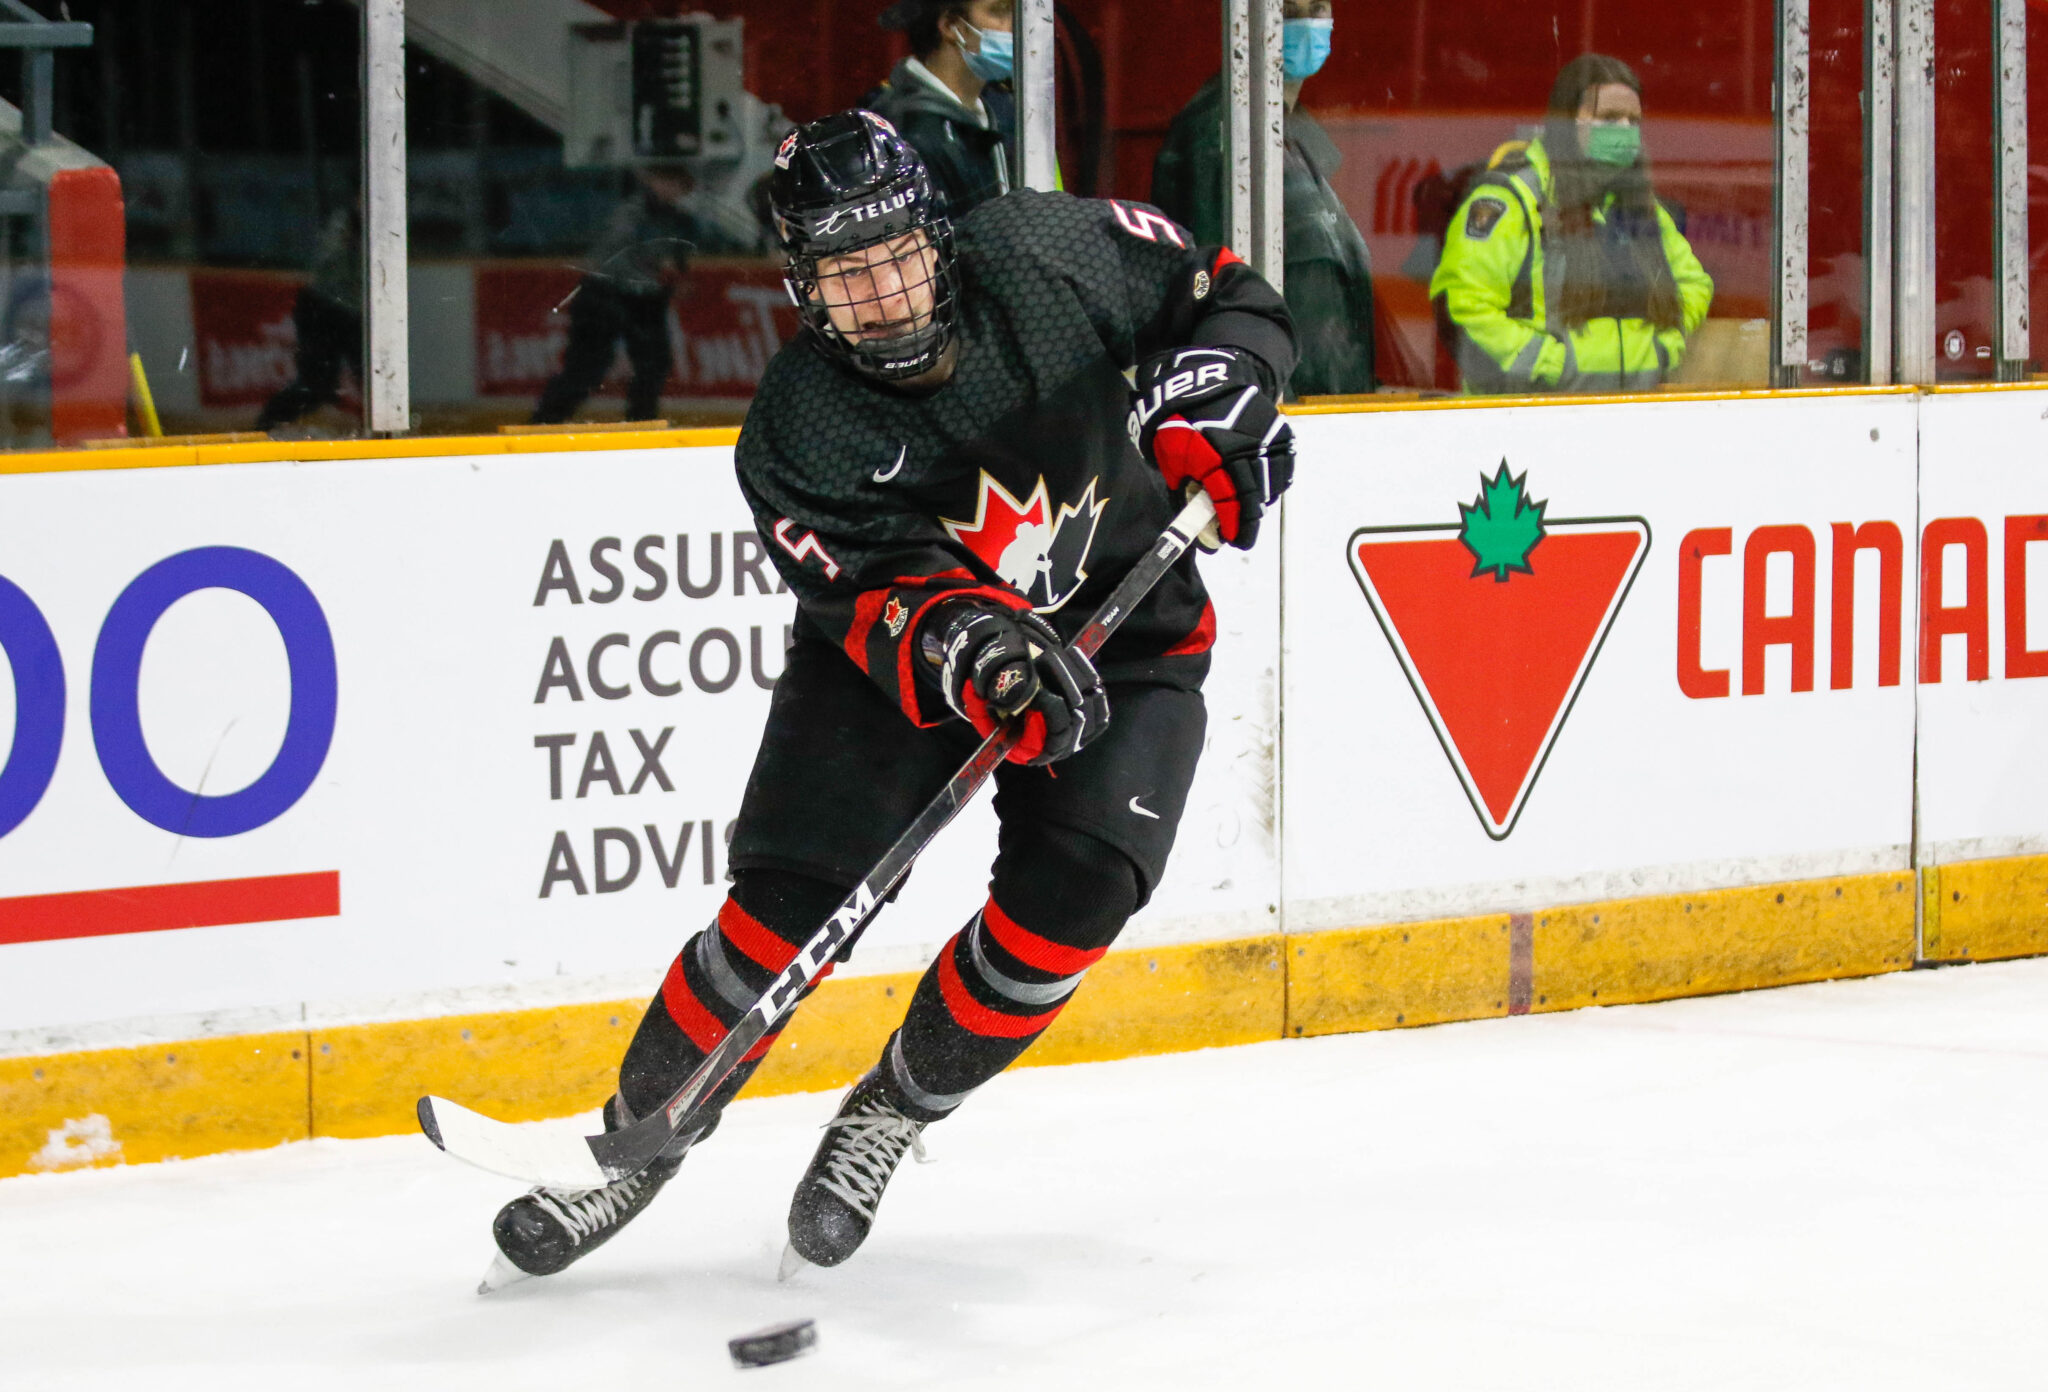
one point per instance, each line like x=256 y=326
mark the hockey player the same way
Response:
x=952 y=474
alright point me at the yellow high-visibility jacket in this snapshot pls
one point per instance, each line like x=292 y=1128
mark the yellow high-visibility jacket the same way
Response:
x=1498 y=275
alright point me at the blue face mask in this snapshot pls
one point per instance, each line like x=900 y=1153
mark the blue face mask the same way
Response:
x=1305 y=46
x=998 y=56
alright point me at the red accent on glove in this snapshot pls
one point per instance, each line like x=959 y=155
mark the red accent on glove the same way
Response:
x=1184 y=454
x=985 y=722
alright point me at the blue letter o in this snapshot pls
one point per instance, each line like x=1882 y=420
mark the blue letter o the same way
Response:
x=116 y=696
x=38 y=705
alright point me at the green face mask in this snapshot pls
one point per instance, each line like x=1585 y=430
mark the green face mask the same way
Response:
x=1618 y=145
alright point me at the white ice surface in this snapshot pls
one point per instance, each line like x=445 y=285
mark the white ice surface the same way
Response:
x=1840 y=1186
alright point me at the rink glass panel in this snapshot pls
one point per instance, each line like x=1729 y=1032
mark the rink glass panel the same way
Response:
x=234 y=127
x=235 y=131
x=1412 y=95
x=588 y=240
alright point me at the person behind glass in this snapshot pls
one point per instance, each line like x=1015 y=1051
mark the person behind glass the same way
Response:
x=328 y=315
x=635 y=268
x=951 y=97
x=1328 y=280
x=1561 y=271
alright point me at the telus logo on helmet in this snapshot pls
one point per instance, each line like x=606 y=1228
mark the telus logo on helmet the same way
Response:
x=1496 y=639
x=880 y=208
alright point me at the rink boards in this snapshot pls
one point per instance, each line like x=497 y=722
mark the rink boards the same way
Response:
x=398 y=768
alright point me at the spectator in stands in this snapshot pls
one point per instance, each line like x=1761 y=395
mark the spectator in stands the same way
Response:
x=635 y=268
x=951 y=98
x=1561 y=271
x=1328 y=281
x=328 y=315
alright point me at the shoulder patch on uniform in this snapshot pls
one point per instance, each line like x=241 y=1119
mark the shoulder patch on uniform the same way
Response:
x=1481 y=217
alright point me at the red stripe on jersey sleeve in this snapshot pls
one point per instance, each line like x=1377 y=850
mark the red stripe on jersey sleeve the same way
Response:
x=866 y=609
x=1201 y=638
x=906 y=681
x=745 y=932
x=1033 y=951
x=1225 y=257
x=976 y=1018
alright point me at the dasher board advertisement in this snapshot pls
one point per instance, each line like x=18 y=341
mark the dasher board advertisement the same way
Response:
x=390 y=738
x=1560 y=652
x=1983 y=650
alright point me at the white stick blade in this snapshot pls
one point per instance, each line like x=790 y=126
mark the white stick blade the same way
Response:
x=550 y=1153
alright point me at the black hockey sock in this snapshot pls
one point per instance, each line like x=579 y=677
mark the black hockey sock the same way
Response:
x=716 y=979
x=1058 y=900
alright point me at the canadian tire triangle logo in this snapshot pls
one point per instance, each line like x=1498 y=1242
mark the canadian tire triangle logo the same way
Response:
x=1496 y=620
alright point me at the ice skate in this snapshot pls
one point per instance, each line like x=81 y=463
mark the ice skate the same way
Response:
x=544 y=1230
x=834 y=1207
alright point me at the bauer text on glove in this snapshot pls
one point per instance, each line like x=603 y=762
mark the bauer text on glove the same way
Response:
x=1202 y=417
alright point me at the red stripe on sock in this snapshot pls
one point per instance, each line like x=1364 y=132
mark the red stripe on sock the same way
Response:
x=696 y=1022
x=1033 y=951
x=976 y=1018
x=745 y=932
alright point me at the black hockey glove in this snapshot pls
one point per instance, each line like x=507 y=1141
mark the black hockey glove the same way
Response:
x=996 y=666
x=1202 y=417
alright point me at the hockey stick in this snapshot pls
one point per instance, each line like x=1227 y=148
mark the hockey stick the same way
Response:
x=552 y=1156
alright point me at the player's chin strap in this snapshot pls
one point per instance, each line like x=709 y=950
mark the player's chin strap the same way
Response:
x=542 y=1155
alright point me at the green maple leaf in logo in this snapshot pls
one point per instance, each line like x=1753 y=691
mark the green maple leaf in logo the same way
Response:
x=1502 y=526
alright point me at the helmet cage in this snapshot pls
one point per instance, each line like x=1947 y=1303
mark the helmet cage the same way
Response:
x=928 y=269
x=842 y=187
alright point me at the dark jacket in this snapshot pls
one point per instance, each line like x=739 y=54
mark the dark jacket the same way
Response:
x=1329 y=269
x=970 y=163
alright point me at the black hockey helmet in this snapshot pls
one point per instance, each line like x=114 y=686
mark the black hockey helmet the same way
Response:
x=848 y=190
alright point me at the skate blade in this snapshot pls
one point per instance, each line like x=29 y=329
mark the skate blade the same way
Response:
x=792 y=1263
x=501 y=1275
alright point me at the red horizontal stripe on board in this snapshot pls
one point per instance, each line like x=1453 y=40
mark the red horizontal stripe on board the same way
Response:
x=95 y=913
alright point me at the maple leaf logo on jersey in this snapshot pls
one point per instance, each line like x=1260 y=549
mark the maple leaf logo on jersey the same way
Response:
x=1037 y=550
x=1496 y=620
x=895 y=614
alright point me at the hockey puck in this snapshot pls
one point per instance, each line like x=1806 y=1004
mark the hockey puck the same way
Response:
x=778 y=1343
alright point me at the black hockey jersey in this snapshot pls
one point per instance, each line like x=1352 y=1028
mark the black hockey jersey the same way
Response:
x=1016 y=481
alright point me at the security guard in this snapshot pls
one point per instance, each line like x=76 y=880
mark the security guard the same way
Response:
x=1561 y=271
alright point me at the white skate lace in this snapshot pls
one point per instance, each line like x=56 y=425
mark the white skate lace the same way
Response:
x=868 y=1149
x=583 y=1212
